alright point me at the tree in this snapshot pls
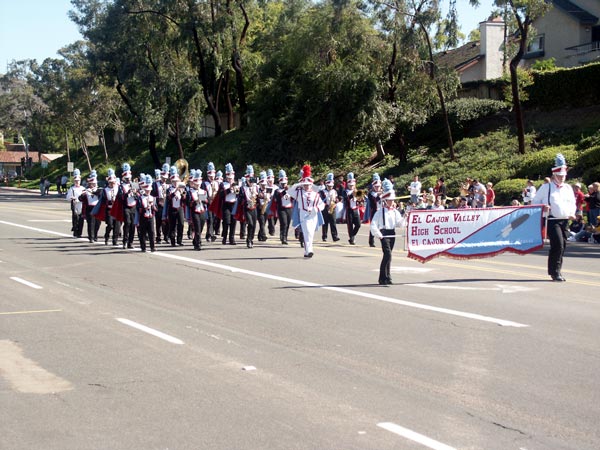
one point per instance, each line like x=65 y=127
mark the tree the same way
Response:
x=524 y=13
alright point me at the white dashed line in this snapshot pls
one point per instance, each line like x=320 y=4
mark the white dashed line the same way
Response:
x=152 y=331
x=26 y=283
x=414 y=436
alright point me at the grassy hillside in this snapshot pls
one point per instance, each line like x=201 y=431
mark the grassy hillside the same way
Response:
x=487 y=150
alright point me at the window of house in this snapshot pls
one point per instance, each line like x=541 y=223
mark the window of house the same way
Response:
x=596 y=34
x=536 y=44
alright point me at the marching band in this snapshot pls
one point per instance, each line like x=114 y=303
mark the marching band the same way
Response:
x=157 y=209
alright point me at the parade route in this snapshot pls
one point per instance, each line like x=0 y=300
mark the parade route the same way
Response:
x=261 y=348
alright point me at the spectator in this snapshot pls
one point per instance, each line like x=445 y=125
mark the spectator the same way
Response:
x=479 y=195
x=490 y=196
x=58 y=184
x=463 y=203
x=579 y=198
x=47 y=185
x=63 y=183
x=415 y=189
x=528 y=193
x=515 y=202
x=440 y=190
x=43 y=186
x=576 y=225
x=593 y=201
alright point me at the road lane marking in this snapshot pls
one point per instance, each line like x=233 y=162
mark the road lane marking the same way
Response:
x=30 y=312
x=414 y=436
x=48 y=220
x=502 y=322
x=26 y=283
x=26 y=375
x=504 y=288
x=152 y=331
x=41 y=230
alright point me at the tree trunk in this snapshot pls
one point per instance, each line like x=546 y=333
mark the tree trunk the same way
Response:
x=85 y=151
x=514 y=79
x=101 y=136
x=380 y=150
x=67 y=142
x=178 y=137
x=152 y=148
x=230 y=113
x=203 y=78
x=440 y=95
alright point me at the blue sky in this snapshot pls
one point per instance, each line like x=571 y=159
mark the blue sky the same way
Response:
x=36 y=29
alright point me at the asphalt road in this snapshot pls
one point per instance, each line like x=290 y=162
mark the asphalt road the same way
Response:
x=236 y=348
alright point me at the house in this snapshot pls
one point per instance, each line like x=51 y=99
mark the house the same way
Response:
x=478 y=60
x=568 y=32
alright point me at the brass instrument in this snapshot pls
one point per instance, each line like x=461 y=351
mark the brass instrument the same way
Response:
x=332 y=203
x=183 y=170
x=360 y=195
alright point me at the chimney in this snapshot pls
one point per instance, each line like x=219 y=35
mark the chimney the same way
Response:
x=492 y=39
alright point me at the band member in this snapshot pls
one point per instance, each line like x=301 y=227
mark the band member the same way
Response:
x=159 y=192
x=90 y=198
x=263 y=202
x=73 y=195
x=329 y=197
x=241 y=216
x=105 y=205
x=271 y=220
x=248 y=205
x=559 y=205
x=174 y=211
x=373 y=204
x=281 y=206
x=351 y=208
x=225 y=205
x=211 y=186
x=127 y=199
x=197 y=207
x=146 y=210
x=217 y=219
x=309 y=206
x=383 y=226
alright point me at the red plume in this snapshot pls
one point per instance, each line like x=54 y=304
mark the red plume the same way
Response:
x=306 y=171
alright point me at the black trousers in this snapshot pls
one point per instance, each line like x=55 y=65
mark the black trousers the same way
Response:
x=262 y=226
x=353 y=223
x=162 y=229
x=229 y=223
x=77 y=222
x=176 y=220
x=285 y=219
x=557 y=234
x=93 y=225
x=210 y=225
x=387 y=245
x=198 y=221
x=329 y=221
x=146 y=231
x=111 y=225
x=128 y=226
x=251 y=219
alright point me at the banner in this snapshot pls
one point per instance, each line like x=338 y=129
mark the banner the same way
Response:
x=473 y=233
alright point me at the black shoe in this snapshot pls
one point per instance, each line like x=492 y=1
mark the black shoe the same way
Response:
x=372 y=244
x=389 y=281
x=213 y=238
x=158 y=240
x=559 y=278
x=351 y=241
x=232 y=243
x=124 y=245
x=180 y=244
x=310 y=254
x=144 y=250
x=130 y=246
x=152 y=250
x=284 y=242
x=335 y=239
x=324 y=239
x=105 y=241
x=382 y=282
x=224 y=242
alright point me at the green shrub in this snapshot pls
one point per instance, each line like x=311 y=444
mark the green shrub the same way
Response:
x=537 y=165
x=464 y=110
x=559 y=88
x=589 y=141
x=507 y=190
x=588 y=165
